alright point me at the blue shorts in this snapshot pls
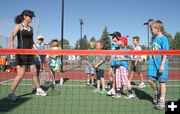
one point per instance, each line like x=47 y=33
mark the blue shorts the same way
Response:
x=161 y=80
x=89 y=69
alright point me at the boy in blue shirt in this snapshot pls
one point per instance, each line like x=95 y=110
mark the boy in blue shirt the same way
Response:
x=114 y=46
x=121 y=75
x=158 y=65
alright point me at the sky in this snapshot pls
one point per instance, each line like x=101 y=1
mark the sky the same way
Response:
x=125 y=16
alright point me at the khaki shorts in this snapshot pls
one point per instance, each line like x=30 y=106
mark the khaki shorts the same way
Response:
x=136 y=67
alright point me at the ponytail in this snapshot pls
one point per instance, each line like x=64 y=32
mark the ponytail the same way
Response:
x=18 y=19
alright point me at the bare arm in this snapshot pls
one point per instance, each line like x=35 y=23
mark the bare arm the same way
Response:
x=161 y=69
x=99 y=64
x=13 y=35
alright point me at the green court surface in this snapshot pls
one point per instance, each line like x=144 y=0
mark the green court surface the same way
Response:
x=74 y=97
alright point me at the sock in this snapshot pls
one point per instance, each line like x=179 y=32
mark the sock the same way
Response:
x=162 y=100
x=131 y=91
x=155 y=92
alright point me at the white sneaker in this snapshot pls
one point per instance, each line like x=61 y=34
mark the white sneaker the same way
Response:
x=54 y=82
x=116 y=96
x=111 y=92
x=12 y=96
x=41 y=92
x=61 y=81
x=141 y=85
x=129 y=96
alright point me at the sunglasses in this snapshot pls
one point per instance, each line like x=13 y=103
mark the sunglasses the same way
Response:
x=41 y=39
x=29 y=16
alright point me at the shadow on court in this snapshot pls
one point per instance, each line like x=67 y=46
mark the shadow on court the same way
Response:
x=6 y=105
x=141 y=94
x=73 y=68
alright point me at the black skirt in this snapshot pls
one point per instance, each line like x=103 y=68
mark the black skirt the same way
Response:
x=24 y=60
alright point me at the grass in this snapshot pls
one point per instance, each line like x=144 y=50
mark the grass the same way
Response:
x=76 y=98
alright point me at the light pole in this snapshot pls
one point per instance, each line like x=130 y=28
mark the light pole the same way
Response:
x=62 y=32
x=148 y=24
x=81 y=23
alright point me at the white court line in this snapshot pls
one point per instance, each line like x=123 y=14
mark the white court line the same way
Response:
x=5 y=81
x=23 y=84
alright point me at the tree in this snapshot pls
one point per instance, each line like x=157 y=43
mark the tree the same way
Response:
x=92 y=39
x=82 y=43
x=85 y=43
x=177 y=40
x=130 y=47
x=170 y=39
x=66 y=44
x=143 y=47
x=105 y=39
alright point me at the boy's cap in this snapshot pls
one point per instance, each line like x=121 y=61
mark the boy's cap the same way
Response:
x=40 y=37
x=114 y=34
x=46 y=43
x=123 y=39
x=28 y=13
x=55 y=40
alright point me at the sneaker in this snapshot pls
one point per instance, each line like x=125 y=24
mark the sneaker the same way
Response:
x=103 y=91
x=12 y=96
x=141 y=85
x=155 y=99
x=129 y=96
x=117 y=95
x=96 y=90
x=33 y=90
x=61 y=81
x=87 y=83
x=40 y=92
x=111 y=92
x=160 y=105
x=54 y=82
x=92 y=84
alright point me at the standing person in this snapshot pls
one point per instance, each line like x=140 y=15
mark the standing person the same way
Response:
x=90 y=65
x=47 y=58
x=114 y=46
x=158 y=65
x=121 y=74
x=100 y=67
x=24 y=33
x=137 y=63
x=39 y=45
x=39 y=59
x=55 y=62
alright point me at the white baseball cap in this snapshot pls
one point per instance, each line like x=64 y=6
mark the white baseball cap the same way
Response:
x=40 y=37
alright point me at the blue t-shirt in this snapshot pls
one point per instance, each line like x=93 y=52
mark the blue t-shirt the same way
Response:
x=123 y=62
x=40 y=47
x=114 y=47
x=154 y=62
x=42 y=57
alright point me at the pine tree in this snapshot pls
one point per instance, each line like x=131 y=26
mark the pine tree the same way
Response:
x=177 y=40
x=106 y=40
x=170 y=39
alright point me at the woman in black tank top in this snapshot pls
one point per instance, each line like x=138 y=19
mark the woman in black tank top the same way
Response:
x=24 y=34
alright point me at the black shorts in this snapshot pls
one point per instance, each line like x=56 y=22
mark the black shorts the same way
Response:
x=136 y=67
x=99 y=74
x=25 y=60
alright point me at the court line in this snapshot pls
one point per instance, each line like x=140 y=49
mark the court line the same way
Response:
x=5 y=81
x=65 y=85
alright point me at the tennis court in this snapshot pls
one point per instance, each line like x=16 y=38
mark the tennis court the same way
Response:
x=74 y=97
